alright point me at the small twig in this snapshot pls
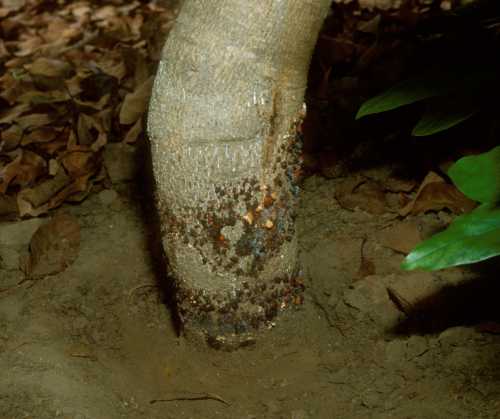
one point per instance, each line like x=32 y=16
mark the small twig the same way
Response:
x=18 y=285
x=189 y=396
x=81 y=355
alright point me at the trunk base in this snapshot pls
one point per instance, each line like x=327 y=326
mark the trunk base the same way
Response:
x=229 y=322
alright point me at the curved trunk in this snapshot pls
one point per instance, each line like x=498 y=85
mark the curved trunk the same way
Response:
x=226 y=106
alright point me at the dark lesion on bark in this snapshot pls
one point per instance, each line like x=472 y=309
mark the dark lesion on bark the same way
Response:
x=230 y=319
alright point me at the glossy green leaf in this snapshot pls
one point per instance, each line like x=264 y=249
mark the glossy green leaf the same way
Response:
x=466 y=81
x=470 y=238
x=444 y=113
x=405 y=93
x=478 y=177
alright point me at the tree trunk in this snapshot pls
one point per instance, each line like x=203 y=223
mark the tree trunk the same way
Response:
x=223 y=122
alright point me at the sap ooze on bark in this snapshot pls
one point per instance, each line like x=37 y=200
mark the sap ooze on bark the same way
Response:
x=223 y=122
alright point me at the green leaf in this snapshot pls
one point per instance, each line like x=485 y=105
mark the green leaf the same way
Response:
x=468 y=81
x=478 y=177
x=404 y=93
x=444 y=113
x=470 y=238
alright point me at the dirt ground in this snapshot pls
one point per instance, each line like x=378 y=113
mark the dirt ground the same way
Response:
x=97 y=341
x=88 y=333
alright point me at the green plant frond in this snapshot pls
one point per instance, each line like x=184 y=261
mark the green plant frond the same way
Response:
x=478 y=177
x=405 y=93
x=444 y=113
x=470 y=238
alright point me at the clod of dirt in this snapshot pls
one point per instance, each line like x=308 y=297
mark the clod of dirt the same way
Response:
x=8 y=207
x=120 y=162
x=370 y=297
x=18 y=233
x=363 y=194
x=408 y=290
x=401 y=237
x=54 y=247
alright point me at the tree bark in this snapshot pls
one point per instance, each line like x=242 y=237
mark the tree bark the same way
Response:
x=223 y=123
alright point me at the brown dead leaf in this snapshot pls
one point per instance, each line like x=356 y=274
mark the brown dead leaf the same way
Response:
x=435 y=194
x=10 y=138
x=34 y=120
x=49 y=67
x=104 y=13
x=12 y=88
x=135 y=63
x=9 y=172
x=10 y=6
x=29 y=46
x=134 y=105
x=54 y=247
x=134 y=132
x=61 y=32
x=113 y=67
x=40 y=135
x=3 y=49
x=80 y=162
x=32 y=198
x=23 y=170
x=97 y=105
x=36 y=97
x=86 y=124
x=78 y=186
x=73 y=86
x=13 y=114
x=31 y=167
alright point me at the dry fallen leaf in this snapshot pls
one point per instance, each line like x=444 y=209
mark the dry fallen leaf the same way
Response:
x=32 y=198
x=13 y=113
x=135 y=104
x=434 y=194
x=23 y=170
x=34 y=120
x=63 y=73
x=54 y=247
x=80 y=162
x=10 y=138
x=134 y=132
x=49 y=67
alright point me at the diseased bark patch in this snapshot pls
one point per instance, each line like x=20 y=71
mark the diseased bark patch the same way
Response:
x=228 y=321
x=238 y=235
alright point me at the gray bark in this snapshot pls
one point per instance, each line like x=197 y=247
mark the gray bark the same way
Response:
x=223 y=122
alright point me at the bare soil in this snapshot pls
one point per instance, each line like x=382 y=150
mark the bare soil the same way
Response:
x=97 y=340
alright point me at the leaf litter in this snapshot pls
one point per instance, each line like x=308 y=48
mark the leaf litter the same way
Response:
x=73 y=78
